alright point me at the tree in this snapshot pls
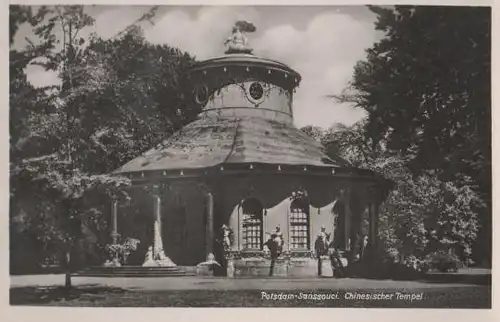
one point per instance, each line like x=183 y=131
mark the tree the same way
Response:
x=422 y=214
x=315 y=132
x=140 y=103
x=51 y=168
x=426 y=88
x=113 y=103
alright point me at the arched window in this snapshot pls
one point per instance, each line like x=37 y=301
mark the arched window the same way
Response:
x=252 y=210
x=299 y=224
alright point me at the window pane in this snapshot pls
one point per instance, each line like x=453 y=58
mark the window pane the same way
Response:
x=299 y=227
x=252 y=231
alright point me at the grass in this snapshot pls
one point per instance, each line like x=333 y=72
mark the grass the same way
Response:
x=97 y=296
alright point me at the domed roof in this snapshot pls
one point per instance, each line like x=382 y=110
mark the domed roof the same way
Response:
x=211 y=141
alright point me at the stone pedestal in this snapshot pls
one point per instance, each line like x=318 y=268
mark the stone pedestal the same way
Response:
x=204 y=271
x=326 y=268
x=260 y=267
x=230 y=268
x=303 y=267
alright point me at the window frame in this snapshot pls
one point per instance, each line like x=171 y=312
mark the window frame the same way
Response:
x=303 y=209
x=257 y=224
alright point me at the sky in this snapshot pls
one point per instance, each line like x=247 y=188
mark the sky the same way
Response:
x=322 y=43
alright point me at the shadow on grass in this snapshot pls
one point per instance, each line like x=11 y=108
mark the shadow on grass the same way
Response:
x=459 y=279
x=398 y=272
x=479 y=279
x=40 y=295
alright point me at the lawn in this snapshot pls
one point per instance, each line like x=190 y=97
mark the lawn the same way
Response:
x=97 y=296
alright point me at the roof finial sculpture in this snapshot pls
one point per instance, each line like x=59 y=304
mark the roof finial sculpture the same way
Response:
x=238 y=42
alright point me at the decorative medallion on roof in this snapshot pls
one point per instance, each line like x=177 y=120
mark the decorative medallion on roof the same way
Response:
x=238 y=42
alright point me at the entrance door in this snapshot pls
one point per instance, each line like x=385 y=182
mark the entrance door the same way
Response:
x=177 y=232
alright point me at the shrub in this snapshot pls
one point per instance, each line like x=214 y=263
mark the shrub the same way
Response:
x=417 y=264
x=384 y=265
x=401 y=271
x=120 y=252
x=443 y=261
x=382 y=270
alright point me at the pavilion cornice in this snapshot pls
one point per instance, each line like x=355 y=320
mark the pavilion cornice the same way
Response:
x=244 y=61
x=253 y=169
x=224 y=71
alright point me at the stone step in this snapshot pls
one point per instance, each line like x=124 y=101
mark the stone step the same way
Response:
x=128 y=268
x=133 y=271
x=177 y=274
x=130 y=272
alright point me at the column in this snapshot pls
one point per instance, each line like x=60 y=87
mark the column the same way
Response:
x=210 y=223
x=372 y=231
x=240 y=228
x=114 y=221
x=365 y=235
x=370 y=224
x=374 y=225
x=347 y=224
x=288 y=232
x=157 y=211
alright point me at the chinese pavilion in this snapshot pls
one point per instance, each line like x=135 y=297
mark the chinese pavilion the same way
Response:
x=244 y=166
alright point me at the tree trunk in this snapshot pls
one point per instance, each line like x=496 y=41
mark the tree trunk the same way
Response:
x=67 y=283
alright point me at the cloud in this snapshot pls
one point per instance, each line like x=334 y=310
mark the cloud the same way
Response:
x=324 y=54
x=39 y=77
x=113 y=20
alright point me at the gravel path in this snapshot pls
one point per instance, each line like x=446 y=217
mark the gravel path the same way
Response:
x=217 y=283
